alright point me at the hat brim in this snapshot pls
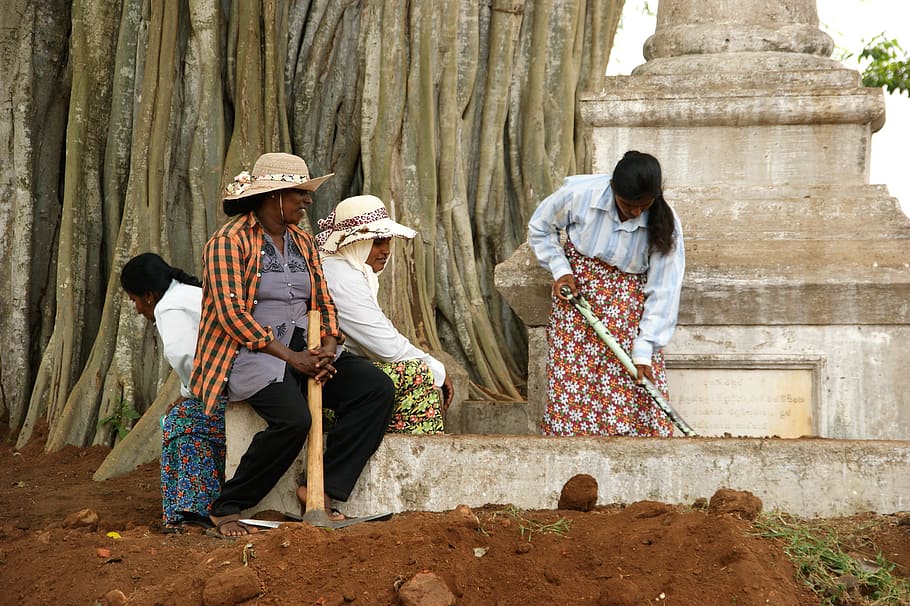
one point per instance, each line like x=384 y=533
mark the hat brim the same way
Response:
x=383 y=228
x=262 y=187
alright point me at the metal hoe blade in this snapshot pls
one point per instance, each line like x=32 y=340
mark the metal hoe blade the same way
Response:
x=584 y=308
x=322 y=521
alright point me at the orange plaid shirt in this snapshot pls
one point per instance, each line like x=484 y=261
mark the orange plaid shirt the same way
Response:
x=231 y=273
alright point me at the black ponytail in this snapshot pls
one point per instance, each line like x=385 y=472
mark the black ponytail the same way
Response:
x=148 y=273
x=636 y=176
x=661 y=228
x=181 y=276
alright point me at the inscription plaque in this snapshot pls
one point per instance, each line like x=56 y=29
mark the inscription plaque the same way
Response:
x=744 y=401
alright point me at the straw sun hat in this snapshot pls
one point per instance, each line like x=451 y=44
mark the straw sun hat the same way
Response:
x=271 y=172
x=358 y=218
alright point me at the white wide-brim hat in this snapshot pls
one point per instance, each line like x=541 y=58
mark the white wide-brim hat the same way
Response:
x=358 y=218
x=271 y=172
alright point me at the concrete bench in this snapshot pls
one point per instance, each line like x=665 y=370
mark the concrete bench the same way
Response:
x=808 y=477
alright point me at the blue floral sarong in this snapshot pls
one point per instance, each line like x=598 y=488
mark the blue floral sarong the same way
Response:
x=192 y=460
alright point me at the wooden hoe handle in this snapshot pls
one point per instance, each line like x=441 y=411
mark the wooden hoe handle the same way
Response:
x=315 y=493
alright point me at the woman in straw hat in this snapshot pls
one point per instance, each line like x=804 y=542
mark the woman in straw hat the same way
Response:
x=261 y=274
x=355 y=244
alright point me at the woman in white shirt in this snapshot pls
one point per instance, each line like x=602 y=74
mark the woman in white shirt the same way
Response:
x=624 y=253
x=354 y=247
x=193 y=442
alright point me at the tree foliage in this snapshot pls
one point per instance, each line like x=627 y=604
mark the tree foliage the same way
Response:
x=885 y=64
x=122 y=119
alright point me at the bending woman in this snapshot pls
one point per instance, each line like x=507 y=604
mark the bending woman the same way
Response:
x=192 y=446
x=624 y=253
x=355 y=244
x=261 y=276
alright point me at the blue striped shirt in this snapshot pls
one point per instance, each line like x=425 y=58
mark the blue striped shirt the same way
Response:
x=584 y=209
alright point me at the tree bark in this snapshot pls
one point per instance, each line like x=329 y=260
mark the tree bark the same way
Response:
x=33 y=95
x=80 y=270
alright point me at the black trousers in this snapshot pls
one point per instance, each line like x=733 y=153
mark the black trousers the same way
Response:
x=362 y=397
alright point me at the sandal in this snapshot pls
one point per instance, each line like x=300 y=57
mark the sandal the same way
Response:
x=335 y=515
x=218 y=530
x=185 y=526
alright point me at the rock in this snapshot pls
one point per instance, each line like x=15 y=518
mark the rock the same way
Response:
x=84 y=518
x=231 y=587
x=466 y=517
x=579 y=493
x=642 y=510
x=738 y=503
x=619 y=592
x=114 y=597
x=425 y=589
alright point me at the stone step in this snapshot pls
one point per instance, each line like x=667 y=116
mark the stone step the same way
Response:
x=810 y=214
x=744 y=69
x=775 y=282
x=809 y=282
x=733 y=86
x=807 y=477
x=788 y=261
x=491 y=417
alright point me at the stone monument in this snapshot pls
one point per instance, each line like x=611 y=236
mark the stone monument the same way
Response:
x=795 y=311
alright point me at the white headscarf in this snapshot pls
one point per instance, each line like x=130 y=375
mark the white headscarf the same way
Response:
x=356 y=253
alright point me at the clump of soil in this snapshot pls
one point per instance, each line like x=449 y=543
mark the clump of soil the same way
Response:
x=579 y=493
x=65 y=539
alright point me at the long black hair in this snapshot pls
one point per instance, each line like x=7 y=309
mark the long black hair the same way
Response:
x=149 y=273
x=637 y=175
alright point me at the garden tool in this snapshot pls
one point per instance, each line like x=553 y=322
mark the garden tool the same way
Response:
x=315 y=514
x=584 y=308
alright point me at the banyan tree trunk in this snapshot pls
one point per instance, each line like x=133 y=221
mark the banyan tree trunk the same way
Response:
x=460 y=115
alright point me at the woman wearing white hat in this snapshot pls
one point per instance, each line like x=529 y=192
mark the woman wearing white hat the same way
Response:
x=261 y=274
x=355 y=244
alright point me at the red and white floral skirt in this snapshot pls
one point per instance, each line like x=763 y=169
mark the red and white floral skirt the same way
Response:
x=589 y=391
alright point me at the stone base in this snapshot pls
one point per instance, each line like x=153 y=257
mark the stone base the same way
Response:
x=241 y=424
x=493 y=418
x=437 y=473
x=861 y=371
x=772 y=127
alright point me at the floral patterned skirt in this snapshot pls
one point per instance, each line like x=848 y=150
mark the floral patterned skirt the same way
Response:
x=192 y=460
x=418 y=406
x=589 y=391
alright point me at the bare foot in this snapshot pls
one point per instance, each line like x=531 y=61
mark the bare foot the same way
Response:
x=229 y=526
x=334 y=514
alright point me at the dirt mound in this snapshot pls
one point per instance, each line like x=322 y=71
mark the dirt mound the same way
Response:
x=644 y=553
